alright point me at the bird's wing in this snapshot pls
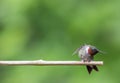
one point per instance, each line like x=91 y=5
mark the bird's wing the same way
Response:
x=76 y=51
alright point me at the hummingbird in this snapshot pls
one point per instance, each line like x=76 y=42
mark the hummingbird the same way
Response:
x=86 y=53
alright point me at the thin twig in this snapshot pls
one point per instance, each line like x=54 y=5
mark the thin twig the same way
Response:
x=48 y=63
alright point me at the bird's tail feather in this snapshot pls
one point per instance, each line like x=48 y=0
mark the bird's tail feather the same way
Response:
x=89 y=68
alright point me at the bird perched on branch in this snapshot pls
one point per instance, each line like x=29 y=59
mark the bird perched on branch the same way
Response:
x=86 y=53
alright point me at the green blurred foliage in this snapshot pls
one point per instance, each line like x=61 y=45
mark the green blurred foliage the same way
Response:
x=52 y=30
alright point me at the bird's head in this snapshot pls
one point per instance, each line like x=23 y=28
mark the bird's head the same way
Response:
x=92 y=50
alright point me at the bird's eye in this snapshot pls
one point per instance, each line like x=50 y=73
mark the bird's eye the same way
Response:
x=95 y=51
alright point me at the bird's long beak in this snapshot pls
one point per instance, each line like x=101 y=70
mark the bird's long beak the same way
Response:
x=102 y=52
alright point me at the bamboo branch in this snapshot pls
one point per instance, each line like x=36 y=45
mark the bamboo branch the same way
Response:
x=48 y=63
